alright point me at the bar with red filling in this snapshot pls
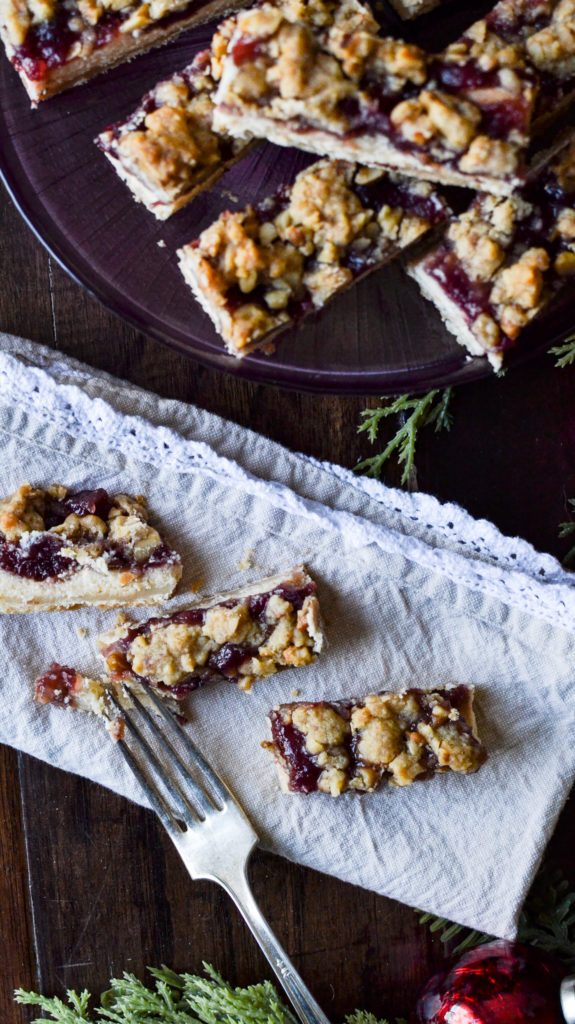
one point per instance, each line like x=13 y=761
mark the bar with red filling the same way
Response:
x=502 y=262
x=166 y=150
x=358 y=745
x=266 y=268
x=55 y=44
x=240 y=636
x=320 y=76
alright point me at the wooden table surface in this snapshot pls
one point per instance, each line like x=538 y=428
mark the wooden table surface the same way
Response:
x=89 y=884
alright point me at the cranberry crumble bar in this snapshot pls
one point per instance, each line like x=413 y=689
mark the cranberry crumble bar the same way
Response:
x=167 y=150
x=64 y=687
x=333 y=746
x=239 y=636
x=318 y=75
x=61 y=549
x=55 y=44
x=265 y=268
x=503 y=260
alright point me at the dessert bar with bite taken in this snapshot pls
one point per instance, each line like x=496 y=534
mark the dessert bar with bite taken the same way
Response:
x=267 y=267
x=55 y=44
x=334 y=746
x=62 y=549
x=166 y=150
x=503 y=260
x=317 y=74
x=66 y=688
x=239 y=636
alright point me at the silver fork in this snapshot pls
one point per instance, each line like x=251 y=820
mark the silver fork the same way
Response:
x=209 y=829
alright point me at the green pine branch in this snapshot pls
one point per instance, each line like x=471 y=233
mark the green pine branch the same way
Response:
x=415 y=413
x=176 y=999
x=547 y=921
x=565 y=352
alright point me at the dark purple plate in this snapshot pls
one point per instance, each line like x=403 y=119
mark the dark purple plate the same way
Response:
x=380 y=337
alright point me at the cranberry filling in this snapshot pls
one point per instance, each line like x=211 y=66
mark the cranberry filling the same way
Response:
x=302 y=770
x=82 y=503
x=230 y=658
x=56 y=685
x=49 y=44
x=472 y=296
x=247 y=48
x=39 y=561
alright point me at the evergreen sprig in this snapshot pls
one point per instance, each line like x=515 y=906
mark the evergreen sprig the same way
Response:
x=416 y=413
x=565 y=530
x=565 y=352
x=176 y=999
x=547 y=921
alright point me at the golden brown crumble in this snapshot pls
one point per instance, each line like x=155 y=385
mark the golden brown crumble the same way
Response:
x=170 y=652
x=394 y=736
x=301 y=251
x=23 y=513
x=21 y=15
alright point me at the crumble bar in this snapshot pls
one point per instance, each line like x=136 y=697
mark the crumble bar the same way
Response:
x=317 y=74
x=64 y=687
x=240 y=636
x=167 y=150
x=265 y=268
x=334 y=746
x=61 y=549
x=55 y=44
x=503 y=260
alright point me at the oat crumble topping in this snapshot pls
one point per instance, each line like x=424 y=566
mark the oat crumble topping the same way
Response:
x=336 y=746
x=504 y=259
x=262 y=268
x=241 y=637
x=321 y=77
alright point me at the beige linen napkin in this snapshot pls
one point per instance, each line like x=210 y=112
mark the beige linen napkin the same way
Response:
x=413 y=592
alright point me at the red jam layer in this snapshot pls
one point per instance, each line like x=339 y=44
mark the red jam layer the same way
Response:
x=41 y=559
x=227 y=661
x=56 y=686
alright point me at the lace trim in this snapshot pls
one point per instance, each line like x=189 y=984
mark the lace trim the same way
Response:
x=467 y=551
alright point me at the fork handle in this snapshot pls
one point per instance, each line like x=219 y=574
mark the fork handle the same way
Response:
x=307 y=1009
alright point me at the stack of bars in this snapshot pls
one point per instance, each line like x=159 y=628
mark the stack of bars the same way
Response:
x=392 y=124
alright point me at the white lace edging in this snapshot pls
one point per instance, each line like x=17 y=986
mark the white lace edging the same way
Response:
x=510 y=570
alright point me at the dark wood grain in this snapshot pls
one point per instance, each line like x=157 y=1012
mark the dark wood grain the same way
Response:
x=89 y=884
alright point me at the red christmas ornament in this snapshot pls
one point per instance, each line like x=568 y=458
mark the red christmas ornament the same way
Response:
x=499 y=983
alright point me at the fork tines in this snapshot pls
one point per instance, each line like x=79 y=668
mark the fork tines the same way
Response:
x=176 y=796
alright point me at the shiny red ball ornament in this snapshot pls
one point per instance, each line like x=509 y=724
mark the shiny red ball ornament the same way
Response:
x=499 y=983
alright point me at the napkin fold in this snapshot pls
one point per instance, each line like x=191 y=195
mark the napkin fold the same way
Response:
x=414 y=593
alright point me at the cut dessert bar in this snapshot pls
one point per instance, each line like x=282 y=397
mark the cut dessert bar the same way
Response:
x=333 y=746
x=167 y=150
x=263 y=269
x=64 y=687
x=60 y=549
x=55 y=44
x=239 y=636
x=503 y=260
x=317 y=74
